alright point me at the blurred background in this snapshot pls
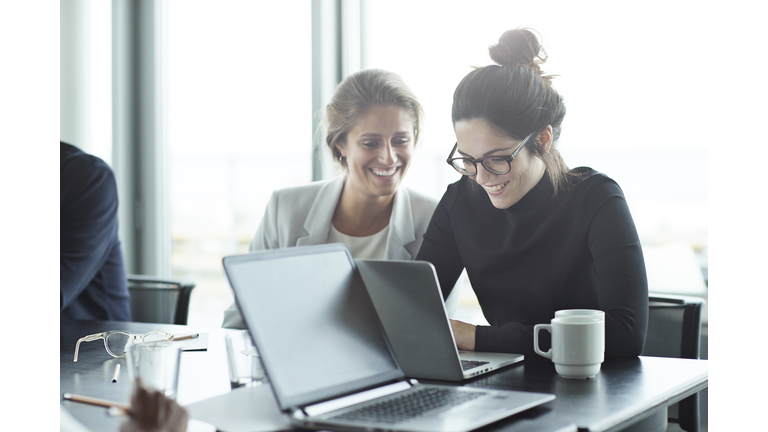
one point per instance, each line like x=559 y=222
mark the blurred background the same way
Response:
x=197 y=104
x=208 y=102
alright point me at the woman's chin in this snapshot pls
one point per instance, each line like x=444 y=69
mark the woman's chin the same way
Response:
x=387 y=185
x=387 y=190
x=503 y=201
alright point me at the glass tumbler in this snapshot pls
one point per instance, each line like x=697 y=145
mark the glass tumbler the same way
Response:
x=245 y=368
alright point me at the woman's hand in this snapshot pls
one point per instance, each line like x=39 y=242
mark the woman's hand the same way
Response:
x=464 y=334
x=151 y=411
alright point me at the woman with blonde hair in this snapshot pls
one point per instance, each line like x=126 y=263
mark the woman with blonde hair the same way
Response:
x=373 y=125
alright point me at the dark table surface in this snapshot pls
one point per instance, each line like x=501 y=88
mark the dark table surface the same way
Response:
x=624 y=392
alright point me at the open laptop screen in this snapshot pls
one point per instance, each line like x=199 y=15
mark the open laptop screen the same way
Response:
x=312 y=321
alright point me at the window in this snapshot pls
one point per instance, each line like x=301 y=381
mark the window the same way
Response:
x=239 y=107
x=623 y=87
x=85 y=77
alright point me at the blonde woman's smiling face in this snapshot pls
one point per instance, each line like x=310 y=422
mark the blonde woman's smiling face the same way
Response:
x=378 y=150
x=476 y=139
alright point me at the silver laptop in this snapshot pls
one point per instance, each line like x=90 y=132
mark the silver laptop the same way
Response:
x=328 y=359
x=409 y=302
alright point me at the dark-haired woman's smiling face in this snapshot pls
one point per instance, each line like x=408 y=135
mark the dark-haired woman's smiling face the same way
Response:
x=476 y=139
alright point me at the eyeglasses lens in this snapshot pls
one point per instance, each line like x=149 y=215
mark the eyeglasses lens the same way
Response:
x=155 y=337
x=497 y=165
x=116 y=343
x=464 y=166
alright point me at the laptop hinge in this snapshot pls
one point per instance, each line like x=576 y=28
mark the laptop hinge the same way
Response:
x=343 y=402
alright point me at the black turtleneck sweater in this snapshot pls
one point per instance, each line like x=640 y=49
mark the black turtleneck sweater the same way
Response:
x=577 y=251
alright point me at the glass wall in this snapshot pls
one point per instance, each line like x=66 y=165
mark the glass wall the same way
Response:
x=631 y=97
x=239 y=103
x=239 y=113
x=101 y=79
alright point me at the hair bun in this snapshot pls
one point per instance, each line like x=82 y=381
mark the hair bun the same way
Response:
x=519 y=48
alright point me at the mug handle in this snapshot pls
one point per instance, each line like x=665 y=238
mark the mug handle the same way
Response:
x=536 y=329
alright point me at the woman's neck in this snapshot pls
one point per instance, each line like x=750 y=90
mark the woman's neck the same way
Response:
x=360 y=215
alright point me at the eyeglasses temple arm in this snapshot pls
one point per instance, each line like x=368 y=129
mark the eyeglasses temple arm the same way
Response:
x=450 y=156
x=77 y=348
x=88 y=338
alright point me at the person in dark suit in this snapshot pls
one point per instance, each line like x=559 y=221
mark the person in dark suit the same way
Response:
x=92 y=280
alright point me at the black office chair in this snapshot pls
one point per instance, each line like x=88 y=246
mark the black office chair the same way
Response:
x=159 y=300
x=674 y=330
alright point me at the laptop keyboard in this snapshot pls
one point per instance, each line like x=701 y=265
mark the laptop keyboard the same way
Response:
x=469 y=364
x=409 y=406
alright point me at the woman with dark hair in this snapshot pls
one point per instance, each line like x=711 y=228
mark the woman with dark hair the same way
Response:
x=373 y=124
x=533 y=235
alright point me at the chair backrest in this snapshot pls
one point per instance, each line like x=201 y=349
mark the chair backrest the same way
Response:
x=674 y=330
x=674 y=326
x=159 y=300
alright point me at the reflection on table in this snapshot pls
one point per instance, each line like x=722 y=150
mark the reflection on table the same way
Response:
x=624 y=392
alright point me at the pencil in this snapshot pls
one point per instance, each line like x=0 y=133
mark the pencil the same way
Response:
x=95 y=401
x=117 y=373
x=185 y=337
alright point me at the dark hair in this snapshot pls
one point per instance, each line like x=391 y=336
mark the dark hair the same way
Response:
x=515 y=97
x=356 y=94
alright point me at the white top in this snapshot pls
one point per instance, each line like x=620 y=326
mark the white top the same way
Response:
x=368 y=247
x=301 y=216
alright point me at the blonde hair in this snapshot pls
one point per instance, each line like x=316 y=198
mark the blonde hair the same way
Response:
x=356 y=94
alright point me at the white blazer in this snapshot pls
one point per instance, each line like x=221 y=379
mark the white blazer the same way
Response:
x=301 y=216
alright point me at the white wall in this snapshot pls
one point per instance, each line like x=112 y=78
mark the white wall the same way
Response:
x=75 y=73
x=85 y=62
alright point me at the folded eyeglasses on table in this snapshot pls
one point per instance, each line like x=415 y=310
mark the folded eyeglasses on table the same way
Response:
x=116 y=340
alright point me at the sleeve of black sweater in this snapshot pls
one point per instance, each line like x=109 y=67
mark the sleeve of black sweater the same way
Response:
x=617 y=262
x=617 y=258
x=439 y=246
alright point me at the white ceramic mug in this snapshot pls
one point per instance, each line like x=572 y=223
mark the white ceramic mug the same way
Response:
x=578 y=343
x=580 y=312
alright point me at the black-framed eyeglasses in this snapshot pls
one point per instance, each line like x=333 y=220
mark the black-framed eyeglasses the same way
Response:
x=498 y=165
